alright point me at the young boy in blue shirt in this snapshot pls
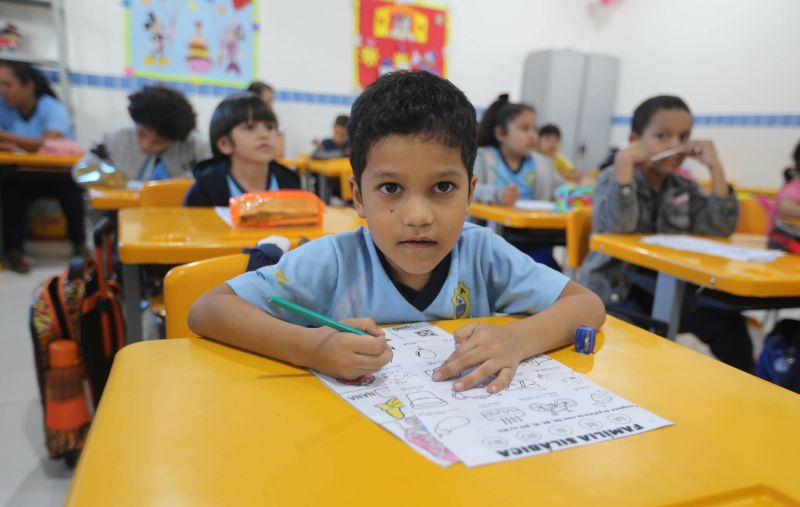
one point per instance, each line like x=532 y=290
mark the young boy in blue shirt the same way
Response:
x=412 y=151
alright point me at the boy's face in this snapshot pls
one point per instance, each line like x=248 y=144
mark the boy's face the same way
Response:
x=149 y=141
x=414 y=195
x=251 y=141
x=519 y=136
x=549 y=144
x=668 y=129
x=339 y=135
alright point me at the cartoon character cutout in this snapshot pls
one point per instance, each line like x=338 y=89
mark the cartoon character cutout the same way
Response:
x=157 y=36
x=197 y=57
x=229 y=51
x=461 y=301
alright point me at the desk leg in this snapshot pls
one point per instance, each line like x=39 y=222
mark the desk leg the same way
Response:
x=668 y=302
x=324 y=188
x=131 y=274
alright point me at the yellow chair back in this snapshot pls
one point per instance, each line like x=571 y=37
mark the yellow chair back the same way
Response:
x=165 y=192
x=184 y=284
x=753 y=219
x=579 y=229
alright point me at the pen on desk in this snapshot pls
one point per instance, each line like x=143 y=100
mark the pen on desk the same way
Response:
x=313 y=316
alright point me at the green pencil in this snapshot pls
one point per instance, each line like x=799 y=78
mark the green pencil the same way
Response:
x=314 y=316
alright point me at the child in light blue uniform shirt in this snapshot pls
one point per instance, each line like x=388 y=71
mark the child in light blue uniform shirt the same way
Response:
x=418 y=262
x=486 y=275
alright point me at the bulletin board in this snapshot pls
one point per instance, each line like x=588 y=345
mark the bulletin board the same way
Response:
x=398 y=36
x=198 y=41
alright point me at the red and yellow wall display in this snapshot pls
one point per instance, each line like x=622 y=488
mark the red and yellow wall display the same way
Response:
x=396 y=36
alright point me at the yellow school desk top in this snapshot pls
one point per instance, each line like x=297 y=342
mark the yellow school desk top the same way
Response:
x=299 y=163
x=106 y=198
x=774 y=279
x=37 y=160
x=192 y=422
x=333 y=167
x=509 y=216
x=177 y=235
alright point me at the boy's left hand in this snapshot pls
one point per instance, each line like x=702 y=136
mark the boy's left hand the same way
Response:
x=707 y=152
x=491 y=349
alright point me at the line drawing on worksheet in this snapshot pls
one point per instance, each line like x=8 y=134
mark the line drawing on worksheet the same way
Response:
x=547 y=406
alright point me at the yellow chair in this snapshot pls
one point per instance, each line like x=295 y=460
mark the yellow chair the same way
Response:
x=753 y=219
x=579 y=228
x=165 y=192
x=184 y=284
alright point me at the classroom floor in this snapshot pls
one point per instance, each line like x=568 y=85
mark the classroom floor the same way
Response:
x=27 y=476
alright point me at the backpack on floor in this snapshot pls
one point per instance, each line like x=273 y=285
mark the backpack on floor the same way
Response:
x=77 y=328
x=779 y=362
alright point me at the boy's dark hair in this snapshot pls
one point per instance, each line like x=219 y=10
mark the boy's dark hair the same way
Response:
x=645 y=111
x=791 y=173
x=165 y=111
x=258 y=87
x=235 y=109
x=26 y=73
x=500 y=113
x=550 y=130
x=410 y=103
x=342 y=120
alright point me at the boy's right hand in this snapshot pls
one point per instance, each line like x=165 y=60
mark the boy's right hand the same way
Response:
x=348 y=355
x=509 y=195
x=635 y=153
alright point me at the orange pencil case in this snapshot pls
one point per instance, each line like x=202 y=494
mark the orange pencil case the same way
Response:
x=276 y=208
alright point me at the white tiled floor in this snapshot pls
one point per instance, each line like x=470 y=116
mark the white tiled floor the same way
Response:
x=27 y=475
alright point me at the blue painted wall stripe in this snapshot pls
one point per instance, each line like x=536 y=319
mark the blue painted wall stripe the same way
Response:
x=767 y=120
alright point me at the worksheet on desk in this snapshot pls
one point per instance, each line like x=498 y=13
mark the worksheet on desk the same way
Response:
x=546 y=408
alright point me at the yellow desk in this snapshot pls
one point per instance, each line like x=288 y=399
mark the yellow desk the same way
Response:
x=110 y=199
x=777 y=279
x=37 y=160
x=57 y=166
x=509 y=216
x=300 y=163
x=179 y=235
x=333 y=168
x=191 y=422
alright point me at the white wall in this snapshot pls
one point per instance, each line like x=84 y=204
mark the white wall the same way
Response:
x=721 y=56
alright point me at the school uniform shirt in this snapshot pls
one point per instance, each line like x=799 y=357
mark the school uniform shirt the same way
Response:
x=344 y=275
x=536 y=178
x=215 y=185
x=328 y=149
x=120 y=149
x=680 y=207
x=50 y=114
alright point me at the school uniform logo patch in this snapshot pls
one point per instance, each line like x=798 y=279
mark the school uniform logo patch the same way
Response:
x=279 y=275
x=460 y=301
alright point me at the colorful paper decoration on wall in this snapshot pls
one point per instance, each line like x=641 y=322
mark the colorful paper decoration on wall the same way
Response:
x=394 y=36
x=198 y=41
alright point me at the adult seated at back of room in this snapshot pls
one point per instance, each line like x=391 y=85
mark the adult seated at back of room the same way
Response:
x=243 y=133
x=30 y=113
x=161 y=143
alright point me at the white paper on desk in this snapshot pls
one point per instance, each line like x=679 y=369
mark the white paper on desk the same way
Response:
x=376 y=399
x=710 y=247
x=531 y=205
x=224 y=213
x=134 y=184
x=547 y=407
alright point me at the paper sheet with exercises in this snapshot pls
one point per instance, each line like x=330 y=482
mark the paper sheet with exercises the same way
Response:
x=711 y=247
x=547 y=407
